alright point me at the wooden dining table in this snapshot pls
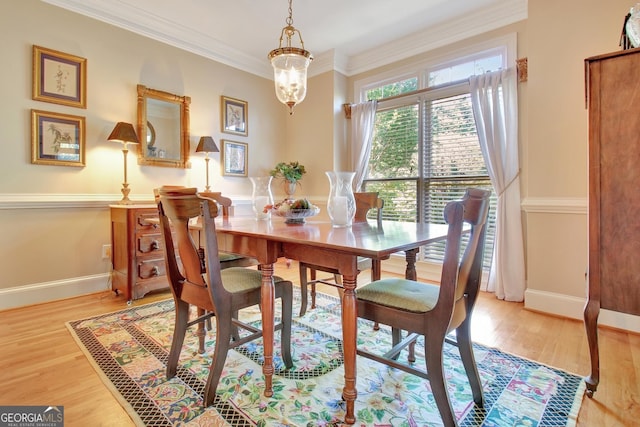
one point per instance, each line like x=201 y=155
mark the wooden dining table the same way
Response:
x=318 y=243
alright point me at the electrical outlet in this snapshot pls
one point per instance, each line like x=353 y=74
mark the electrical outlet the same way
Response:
x=106 y=251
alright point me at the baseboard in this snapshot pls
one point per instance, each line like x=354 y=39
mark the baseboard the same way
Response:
x=38 y=293
x=425 y=270
x=573 y=307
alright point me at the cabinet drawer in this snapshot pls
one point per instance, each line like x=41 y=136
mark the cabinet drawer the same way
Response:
x=148 y=243
x=150 y=268
x=143 y=223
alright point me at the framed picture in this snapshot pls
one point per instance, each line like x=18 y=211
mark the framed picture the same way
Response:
x=234 y=116
x=57 y=139
x=59 y=78
x=234 y=158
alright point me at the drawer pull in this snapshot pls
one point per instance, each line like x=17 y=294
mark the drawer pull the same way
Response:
x=155 y=271
x=155 y=245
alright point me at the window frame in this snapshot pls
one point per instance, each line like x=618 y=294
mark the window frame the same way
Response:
x=505 y=46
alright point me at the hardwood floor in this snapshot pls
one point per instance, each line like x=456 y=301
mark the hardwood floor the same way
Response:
x=40 y=363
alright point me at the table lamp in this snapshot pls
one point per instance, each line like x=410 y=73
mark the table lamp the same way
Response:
x=124 y=133
x=207 y=145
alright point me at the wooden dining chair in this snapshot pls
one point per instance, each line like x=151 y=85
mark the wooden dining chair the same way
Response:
x=218 y=293
x=433 y=311
x=364 y=203
x=228 y=259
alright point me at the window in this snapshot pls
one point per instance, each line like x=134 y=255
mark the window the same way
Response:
x=425 y=151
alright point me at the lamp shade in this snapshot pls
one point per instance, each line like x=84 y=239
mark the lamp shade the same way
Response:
x=124 y=132
x=207 y=145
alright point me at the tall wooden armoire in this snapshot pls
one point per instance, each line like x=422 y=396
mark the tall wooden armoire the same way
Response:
x=613 y=91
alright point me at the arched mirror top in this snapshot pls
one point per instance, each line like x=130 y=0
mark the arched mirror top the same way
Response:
x=163 y=128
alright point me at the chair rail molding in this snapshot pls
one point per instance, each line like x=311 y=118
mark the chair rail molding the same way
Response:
x=555 y=205
x=61 y=200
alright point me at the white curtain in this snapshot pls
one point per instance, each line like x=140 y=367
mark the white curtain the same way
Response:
x=495 y=107
x=362 y=120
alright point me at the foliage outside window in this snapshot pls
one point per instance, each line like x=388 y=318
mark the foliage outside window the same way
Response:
x=425 y=150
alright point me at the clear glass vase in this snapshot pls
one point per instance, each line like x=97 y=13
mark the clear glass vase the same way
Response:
x=341 y=205
x=261 y=197
x=633 y=26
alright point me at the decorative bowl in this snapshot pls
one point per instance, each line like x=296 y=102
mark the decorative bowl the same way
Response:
x=296 y=216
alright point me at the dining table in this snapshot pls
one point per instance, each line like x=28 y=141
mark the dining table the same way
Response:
x=318 y=242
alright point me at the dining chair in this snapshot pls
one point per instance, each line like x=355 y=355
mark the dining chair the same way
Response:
x=218 y=293
x=365 y=202
x=227 y=259
x=433 y=311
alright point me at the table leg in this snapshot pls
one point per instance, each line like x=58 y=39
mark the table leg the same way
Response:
x=349 y=334
x=411 y=274
x=267 y=296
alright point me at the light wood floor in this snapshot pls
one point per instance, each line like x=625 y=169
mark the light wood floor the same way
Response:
x=40 y=363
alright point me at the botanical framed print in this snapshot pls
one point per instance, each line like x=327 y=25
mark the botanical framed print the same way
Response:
x=234 y=158
x=234 y=116
x=57 y=139
x=59 y=77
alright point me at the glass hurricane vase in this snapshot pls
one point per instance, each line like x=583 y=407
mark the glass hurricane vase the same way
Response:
x=341 y=205
x=261 y=197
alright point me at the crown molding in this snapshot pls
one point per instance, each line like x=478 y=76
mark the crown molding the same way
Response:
x=148 y=24
x=145 y=23
x=485 y=20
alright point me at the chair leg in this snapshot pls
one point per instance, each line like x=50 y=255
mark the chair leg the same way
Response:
x=314 y=276
x=434 y=343
x=179 y=330
x=209 y=327
x=303 y=289
x=396 y=337
x=465 y=346
x=376 y=268
x=235 y=330
x=412 y=352
x=285 y=332
x=223 y=338
x=201 y=331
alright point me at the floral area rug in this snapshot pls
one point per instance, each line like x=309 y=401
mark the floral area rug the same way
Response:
x=129 y=349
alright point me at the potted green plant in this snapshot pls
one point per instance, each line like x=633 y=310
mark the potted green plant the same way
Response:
x=290 y=173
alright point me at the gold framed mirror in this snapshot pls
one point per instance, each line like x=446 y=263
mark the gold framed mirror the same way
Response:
x=163 y=128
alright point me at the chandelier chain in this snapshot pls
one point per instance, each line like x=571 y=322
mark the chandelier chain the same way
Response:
x=289 y=20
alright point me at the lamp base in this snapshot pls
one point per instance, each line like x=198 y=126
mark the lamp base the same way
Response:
x=125 y=195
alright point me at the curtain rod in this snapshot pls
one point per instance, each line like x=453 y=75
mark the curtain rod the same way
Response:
x=521 y=68
x=347 y=107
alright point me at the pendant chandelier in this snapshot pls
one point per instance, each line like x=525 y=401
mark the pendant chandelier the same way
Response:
x=290 y=66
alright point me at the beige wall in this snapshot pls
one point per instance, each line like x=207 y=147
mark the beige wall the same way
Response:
x=561 y=36
x=556 y=38
x=55 y=219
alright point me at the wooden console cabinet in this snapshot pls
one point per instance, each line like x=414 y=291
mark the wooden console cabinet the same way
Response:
x=613 y=91
x=137 y=253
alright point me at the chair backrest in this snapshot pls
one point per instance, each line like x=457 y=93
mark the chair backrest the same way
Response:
x=177 y=208
x=224 y=202
x=365 y=202
x=461 y=276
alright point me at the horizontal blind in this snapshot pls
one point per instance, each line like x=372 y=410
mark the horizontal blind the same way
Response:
x=394 y=161
x=394 y=150
x=452 y=162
